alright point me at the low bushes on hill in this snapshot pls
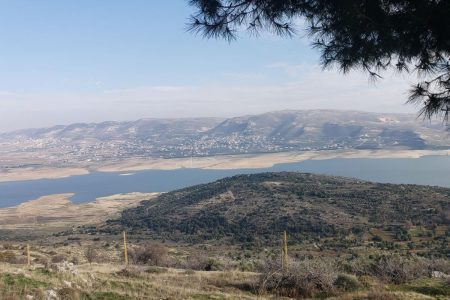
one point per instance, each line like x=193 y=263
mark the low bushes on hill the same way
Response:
x=149 y=254
x=308 y=278
x=322 y=277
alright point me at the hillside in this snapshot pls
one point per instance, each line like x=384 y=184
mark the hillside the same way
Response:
x=333 y=129
x=311 y=130
x=332 y=212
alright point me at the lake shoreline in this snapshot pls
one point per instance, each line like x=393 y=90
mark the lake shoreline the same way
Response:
x=220 y=162
x=57 y=212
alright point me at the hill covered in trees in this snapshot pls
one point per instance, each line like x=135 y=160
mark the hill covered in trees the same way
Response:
x=327 y=212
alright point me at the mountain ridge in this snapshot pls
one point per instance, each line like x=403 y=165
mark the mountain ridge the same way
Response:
x=280 y=131
x=218 y=119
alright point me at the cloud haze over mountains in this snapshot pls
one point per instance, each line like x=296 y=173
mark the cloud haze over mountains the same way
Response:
x=303 y=88
x=63 y=66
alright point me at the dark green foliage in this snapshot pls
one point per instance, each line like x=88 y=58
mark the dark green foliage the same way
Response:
x=372 y=35
x=347 y=283
x=255 y=209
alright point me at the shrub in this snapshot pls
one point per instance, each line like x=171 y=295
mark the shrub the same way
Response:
x=347 y=283
x=308 y=278
x=91 y=254
x=397 y=269
x=213 y=265
x=130 y=272
x=11 y=258
x=394 y=268
x=196 y=262
x=7 y=256
x=75 y=260
x=19 y=260
x=155 y=270
x=68 y=293
x=58 y=258
x=152 y=254
x=8 y=246
x=42 y=260
x=247 y=266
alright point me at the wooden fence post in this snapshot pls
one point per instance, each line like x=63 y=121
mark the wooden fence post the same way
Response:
x=28 y=255
x=125 y=250
x=285 y=251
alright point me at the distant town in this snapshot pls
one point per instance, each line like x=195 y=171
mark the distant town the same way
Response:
x=266 y=133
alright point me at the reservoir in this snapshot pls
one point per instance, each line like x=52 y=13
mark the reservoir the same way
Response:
x=427 y=170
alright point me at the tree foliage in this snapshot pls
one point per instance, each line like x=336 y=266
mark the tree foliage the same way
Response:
x=372 y=35
x=335 y=213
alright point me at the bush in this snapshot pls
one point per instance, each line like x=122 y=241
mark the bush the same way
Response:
x=58 y=258
x=155 y=270
x=74 y=260
x=41 y=260
x=130 y=272
x=7 y=256
x=20 y=260
x=8 y=246
x=247 y=266
x=308 y=278
x=68 y=294
x=347 y=283
x=397 y=269
x=11 y=258
x=213 y=265
x=91 y=254
x=202 y=263
x=152 y=254
x=394 y=268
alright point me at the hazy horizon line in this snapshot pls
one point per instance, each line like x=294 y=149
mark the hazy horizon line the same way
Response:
x=215 y=117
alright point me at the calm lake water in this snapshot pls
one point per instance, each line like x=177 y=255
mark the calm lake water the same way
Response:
x=427 y=170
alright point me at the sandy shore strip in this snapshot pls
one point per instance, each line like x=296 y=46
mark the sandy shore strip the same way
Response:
x=39 y=173
x=220 y=162
x=56 y=211
x=256 y=161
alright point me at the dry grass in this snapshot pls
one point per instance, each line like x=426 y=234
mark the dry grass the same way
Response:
x=110 y=280
x=99 y=280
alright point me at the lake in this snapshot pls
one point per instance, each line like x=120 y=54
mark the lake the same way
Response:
x=427 y=170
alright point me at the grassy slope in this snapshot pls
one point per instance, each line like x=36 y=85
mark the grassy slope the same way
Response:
x=110 y=281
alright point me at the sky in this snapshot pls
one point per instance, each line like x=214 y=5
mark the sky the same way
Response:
x=63 y=62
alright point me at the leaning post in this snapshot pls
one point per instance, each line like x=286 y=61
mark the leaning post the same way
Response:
x=285 y=251
x=28 y=255
x=125 y=250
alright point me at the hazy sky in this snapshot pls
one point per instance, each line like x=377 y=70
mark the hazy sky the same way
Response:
x=81 y=61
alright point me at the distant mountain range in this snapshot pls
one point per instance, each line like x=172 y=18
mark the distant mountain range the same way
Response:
x=269 y=132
